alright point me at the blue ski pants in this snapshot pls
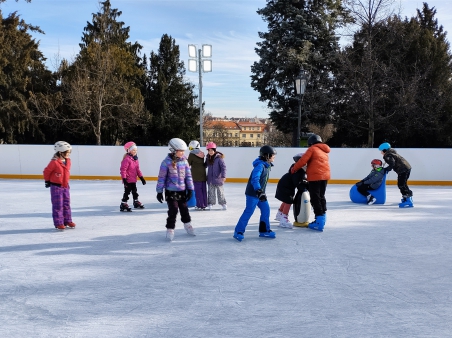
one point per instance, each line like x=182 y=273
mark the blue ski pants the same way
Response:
x=251 y=203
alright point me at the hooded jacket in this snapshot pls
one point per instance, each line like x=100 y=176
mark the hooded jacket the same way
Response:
x=174 y=178
x=57 y=172
x=130 y=169
x=285 y=190
x=259 y=177
x=216 y=171
x=317 y=159
x=197 y=166
x=395 y=161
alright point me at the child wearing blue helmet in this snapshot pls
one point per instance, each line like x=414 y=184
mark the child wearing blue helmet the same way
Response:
x=403 y=170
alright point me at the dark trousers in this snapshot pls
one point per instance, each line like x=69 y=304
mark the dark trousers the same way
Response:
x=402 y=180
x=173 y=207
x=363 y=189
x=130 y=187
x=201 y=193
x=317 y=192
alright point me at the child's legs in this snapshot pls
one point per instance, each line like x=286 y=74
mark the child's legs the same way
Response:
x=265 y=216
x=203 y=194
x=211 y=195
x=251 y=203
x=317 y=193
x=56 y=196
x=173 y=208
x=198 y=194
x=220 y=193
x=285 y=208
x=133 y=188
x=184 y=213
x=363 y=189
x=402 y=180
x=127 y=190
x=67 y=215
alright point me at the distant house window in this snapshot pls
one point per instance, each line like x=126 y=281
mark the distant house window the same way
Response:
x=236 y=135
x=230 y=134
x=258 y=135
x=251 y=135
x=243 y=135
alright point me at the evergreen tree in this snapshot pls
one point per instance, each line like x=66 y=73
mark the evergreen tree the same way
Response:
x=301 y=34
x=169 y=98
x=22 y=73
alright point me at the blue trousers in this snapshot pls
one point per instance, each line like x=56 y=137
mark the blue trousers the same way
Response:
x=251 y=203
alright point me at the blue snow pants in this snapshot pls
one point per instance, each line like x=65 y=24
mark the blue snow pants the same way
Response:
x=251 y=203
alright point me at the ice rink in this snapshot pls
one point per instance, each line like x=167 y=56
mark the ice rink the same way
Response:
x=376 y=271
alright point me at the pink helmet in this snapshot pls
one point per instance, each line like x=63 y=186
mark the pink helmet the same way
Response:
x=211 y=145
x=129 y=145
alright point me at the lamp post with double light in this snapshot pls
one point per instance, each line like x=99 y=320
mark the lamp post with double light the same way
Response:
x=301 y=80
x=199 y=61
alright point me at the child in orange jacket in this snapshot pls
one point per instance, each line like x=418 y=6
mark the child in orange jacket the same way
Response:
x=318 y=173
x=56 y=177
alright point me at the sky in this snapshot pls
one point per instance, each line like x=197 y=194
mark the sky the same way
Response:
x=231 y=27
x=376 y=271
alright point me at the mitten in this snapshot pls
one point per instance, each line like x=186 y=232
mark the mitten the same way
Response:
x=261 y=195
x=125 y=182
x=143 y=180
x=189 y=194
x=160 y=197
x=47 y=184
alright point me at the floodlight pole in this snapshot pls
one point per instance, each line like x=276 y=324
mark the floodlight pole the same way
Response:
x=200 y=99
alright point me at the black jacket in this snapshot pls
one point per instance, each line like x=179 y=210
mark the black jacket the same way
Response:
x=396 y=162
x=285 y=190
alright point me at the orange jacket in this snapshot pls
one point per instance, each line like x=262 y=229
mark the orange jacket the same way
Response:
x=58 y=173
x=316 y=157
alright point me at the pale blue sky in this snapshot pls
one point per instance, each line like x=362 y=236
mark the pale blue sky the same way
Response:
x=231 y=27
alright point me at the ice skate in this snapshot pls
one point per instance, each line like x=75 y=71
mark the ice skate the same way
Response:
x=70 y=225
x=224 y=206
x=238 y=236
x=170 y=234
x=60 y=227
x=209 y=207
x=407 y=203
x=189 y=229
x=285 y=223
x=318 y=224
x=138 y=205
x=125 y=207
x=371 y=200
x=268 y=234
x=279 y=214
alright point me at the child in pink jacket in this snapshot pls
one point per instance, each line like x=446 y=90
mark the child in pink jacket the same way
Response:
x=130 y=169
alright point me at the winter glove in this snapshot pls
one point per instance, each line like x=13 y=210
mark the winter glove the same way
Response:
x=189 y=194
x=160 y=197
x=359 y=183
x=125 y=182
x=261 y=195
x=47 y=184
x=386 y=170
x=143 y=180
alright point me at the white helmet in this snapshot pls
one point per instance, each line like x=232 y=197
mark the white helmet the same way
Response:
x=177 y=144
x=62 y=146
x=194 y=145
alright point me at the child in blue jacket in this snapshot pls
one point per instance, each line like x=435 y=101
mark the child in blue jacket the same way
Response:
x=371 y=181
x=255 y=195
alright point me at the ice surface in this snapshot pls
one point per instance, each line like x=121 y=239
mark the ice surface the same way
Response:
x=376 y=271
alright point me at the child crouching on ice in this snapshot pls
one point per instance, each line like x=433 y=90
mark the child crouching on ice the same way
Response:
x=285 y=192
x=175 y=178
x=56 y=177
x=371 y=181
x=255 y=195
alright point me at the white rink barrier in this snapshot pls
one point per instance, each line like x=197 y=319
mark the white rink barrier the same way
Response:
x=348 y=165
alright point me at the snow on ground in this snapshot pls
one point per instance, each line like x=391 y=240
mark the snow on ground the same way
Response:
x=376 y=271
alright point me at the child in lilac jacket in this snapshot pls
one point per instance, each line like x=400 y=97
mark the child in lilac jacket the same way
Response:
x=130 y=170
x=175 y=178
x=216 y=176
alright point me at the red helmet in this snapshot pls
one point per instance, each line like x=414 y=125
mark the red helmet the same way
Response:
x=129 y=145
x=211 y=145
x=376 y=163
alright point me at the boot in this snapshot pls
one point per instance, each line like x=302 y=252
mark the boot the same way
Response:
x=125 y=207
x=138 y=205
x=318 y=224
x=188 y=227
x=371 y=200
x=284 y=222
x=238 y=236
x=279 y=215
x=408 y=203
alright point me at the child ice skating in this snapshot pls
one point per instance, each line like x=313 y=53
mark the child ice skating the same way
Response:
x=403 y=170
x=129 y=170
x=371 y=181
x=56 y=177
x=318 y=174
x=175 y=178
x=216 y=176
x=255 y=195
x=285 y=192
x=198 y=171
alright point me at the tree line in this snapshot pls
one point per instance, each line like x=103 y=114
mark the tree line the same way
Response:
x=391 y=83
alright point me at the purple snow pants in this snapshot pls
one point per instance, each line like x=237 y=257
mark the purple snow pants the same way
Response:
x=201 y=194
x=61 y=205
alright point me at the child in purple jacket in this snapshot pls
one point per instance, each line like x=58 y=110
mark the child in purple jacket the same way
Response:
x=216 y=176
x=175 y=178
x=129 y=170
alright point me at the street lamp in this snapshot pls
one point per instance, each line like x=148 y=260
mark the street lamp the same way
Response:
x=300 y=86
x=200 y=62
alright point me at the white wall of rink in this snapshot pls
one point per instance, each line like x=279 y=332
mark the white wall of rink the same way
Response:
x=430 y=166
